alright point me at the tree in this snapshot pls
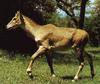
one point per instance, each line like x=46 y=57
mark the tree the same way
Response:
x=43 y=9
x=57 y=20
x=82 y=13
x=39 y=10
x=70 y=7
x=92 y=23
x=96 y=21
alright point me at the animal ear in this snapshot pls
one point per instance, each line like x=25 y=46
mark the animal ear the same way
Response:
x=18 y=12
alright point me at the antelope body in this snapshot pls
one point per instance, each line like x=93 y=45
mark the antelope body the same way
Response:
x=50 y=38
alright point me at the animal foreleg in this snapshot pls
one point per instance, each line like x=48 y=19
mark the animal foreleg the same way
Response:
x=46 y=44
x=81 y=62
x=40 y=51
x=50 y=62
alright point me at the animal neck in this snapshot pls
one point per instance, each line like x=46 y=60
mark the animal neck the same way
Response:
x=29 y=25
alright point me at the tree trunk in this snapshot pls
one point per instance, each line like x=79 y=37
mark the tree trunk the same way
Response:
x=82 y=13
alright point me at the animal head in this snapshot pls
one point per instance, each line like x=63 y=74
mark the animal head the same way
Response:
x=16 y=21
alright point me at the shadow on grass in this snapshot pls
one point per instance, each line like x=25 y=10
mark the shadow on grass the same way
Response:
x=33 y=77
x=67 y=77
x=71 y=77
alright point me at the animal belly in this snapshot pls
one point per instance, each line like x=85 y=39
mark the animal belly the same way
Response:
x=62 y=44
x=60 y=48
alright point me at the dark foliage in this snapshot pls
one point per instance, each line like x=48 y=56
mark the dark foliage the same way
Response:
x=14 y=40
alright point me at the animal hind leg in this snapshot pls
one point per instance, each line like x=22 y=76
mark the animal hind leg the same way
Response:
x=90 y=61
x=50 y=62
x=79 y=52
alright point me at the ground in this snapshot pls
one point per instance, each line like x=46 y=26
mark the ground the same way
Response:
x=13 y=69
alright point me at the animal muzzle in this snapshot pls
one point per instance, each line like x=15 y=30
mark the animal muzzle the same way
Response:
x=8 y=26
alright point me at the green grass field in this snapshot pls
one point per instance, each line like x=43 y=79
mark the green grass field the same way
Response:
x=13 y=69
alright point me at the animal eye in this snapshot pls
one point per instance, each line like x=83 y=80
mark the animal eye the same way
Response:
x=14 y=19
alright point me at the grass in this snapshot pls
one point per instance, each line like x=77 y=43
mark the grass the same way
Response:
x=13 y=69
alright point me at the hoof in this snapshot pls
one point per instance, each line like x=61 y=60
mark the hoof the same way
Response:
x=30 y=74
x=92 y=76
x=53 y=75
x=75 y=79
